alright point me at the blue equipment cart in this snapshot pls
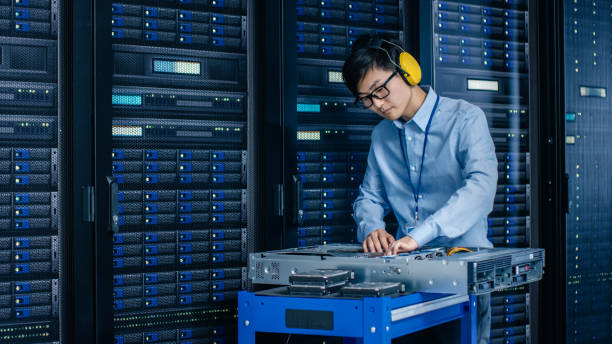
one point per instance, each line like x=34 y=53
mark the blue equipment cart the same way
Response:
x=369 y=319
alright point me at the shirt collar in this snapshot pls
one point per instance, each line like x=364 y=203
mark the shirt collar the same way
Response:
x=421 y=117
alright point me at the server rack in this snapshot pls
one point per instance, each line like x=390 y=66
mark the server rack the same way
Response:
x=30 y=166
x=587 y=37
x=330 y=138
x=480 y=52
x=180 y=124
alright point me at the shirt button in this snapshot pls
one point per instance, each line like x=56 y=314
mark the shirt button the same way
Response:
x=421 y=196
x=412 y=167
x=409 y=138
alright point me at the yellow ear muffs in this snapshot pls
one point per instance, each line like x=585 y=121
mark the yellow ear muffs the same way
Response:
x=410 y=69
x=407 y=65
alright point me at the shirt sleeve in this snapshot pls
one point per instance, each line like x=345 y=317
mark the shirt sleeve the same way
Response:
x=371 y=205
x=474 y=200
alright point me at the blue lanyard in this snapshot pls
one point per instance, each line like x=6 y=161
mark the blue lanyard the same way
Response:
x=403 y=144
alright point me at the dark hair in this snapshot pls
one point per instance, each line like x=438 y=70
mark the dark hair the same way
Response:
x=364 y=57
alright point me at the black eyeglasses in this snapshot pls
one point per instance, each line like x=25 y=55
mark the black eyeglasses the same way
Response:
x=380 y=92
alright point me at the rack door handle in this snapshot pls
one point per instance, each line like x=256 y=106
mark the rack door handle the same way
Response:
x=297 y=200
x=113 y=204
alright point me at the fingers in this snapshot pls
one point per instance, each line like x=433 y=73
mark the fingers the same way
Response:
x=371 y=246
x=398 y=247
x=378 y=241
x=368 y=245
x=393 y=250
x=384 y=242
x=390 y=239
x=389 y=251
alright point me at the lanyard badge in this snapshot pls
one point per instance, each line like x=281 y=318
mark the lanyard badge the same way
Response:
x=417 y=191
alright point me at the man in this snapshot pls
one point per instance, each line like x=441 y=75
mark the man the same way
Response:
x=432 y=160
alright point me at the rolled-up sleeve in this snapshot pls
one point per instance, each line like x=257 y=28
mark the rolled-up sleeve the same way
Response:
x=474 y=200
x=371 y=205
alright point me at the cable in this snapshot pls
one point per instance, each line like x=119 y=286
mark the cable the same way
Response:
x=387 y=52
x=454 y=250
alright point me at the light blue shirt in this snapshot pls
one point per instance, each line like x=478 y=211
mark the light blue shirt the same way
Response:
x=459 y=178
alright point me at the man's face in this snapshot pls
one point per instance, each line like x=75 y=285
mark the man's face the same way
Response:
x=395 y=103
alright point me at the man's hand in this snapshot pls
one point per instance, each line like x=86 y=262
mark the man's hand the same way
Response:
x=405 y=244
x=378 y=241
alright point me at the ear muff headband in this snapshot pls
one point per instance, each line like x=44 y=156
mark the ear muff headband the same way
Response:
x=407 y=65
